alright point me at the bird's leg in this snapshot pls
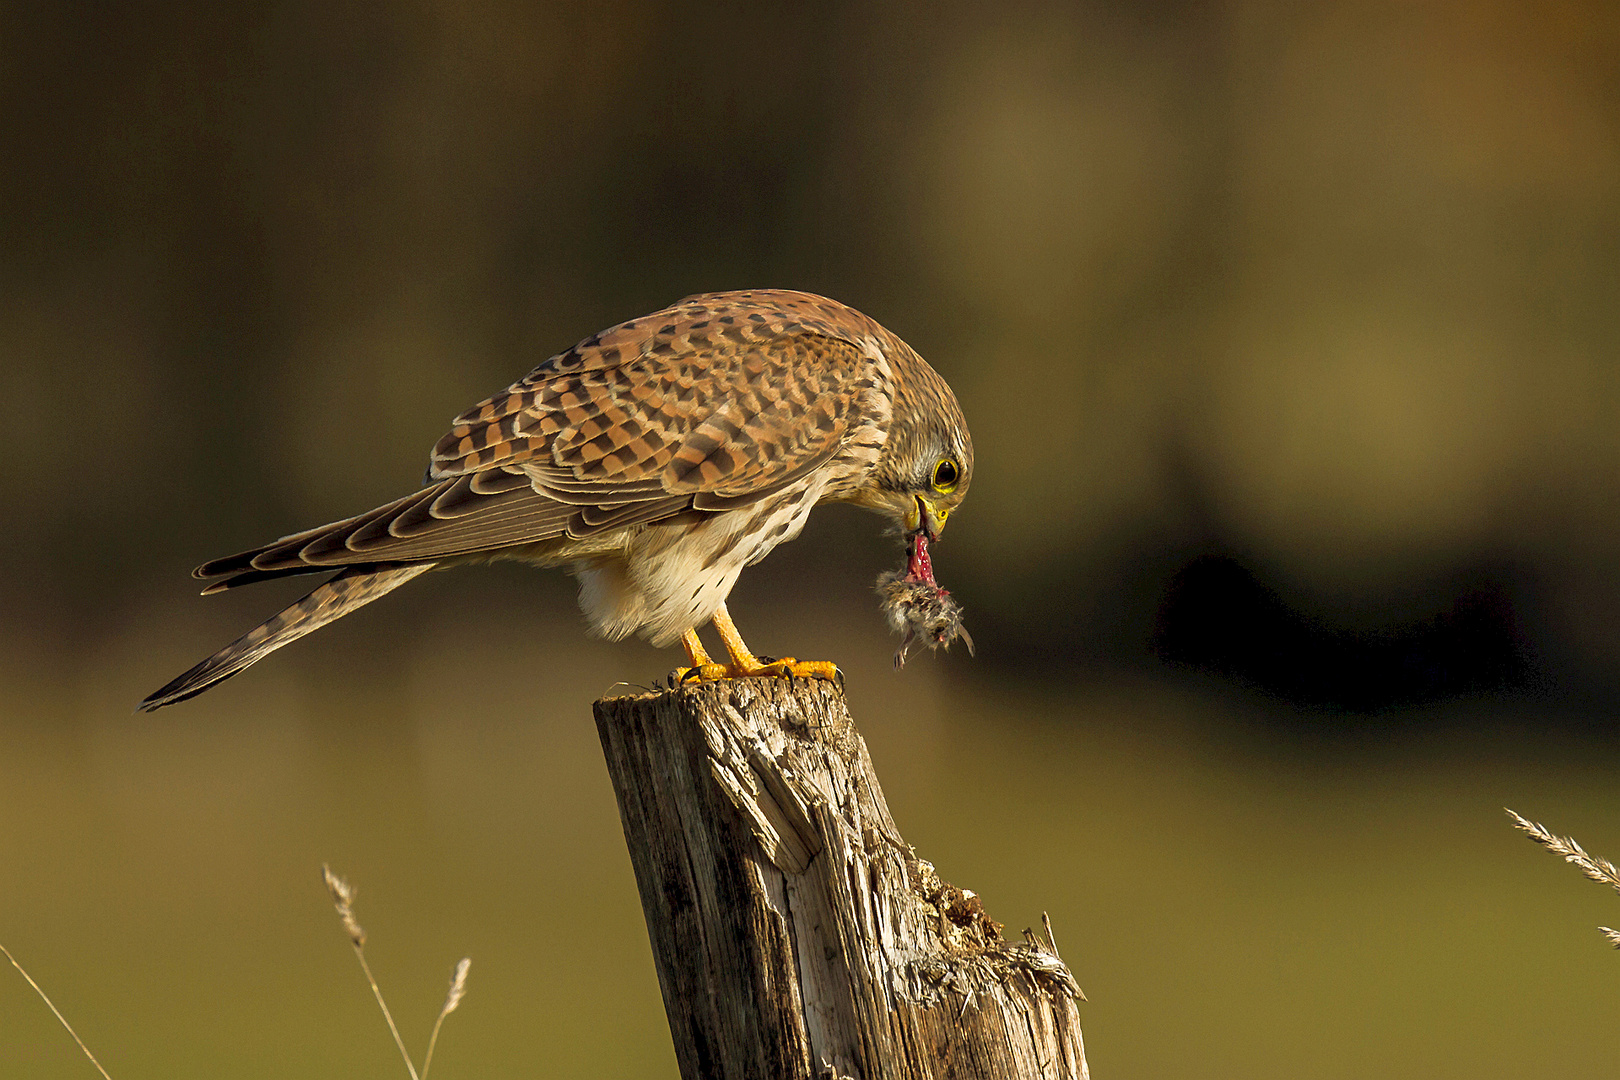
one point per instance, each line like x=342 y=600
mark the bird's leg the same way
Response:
x=696 y=654
x=703 y=666
x=744 y=663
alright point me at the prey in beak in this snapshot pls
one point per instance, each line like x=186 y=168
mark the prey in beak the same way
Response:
x=913 y=601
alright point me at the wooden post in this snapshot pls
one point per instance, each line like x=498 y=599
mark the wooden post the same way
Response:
x=796 y=935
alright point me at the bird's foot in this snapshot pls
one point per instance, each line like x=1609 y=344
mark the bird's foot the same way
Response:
x=698 y=673
x=790 y=668
x=786 y=667
x=743 y=663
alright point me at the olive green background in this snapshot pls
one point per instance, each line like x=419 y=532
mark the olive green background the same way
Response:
x=1288 y=338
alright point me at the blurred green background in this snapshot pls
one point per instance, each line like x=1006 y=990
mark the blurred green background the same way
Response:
x=1288 y=338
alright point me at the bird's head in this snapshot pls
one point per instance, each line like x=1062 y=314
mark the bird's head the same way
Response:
x=923 y=472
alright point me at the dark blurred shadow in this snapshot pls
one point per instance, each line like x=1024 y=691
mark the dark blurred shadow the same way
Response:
x=1218 y=617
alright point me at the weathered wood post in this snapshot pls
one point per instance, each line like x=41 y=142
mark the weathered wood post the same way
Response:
x=796 y=934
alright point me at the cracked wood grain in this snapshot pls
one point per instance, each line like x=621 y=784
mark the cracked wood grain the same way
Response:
x=795 y=933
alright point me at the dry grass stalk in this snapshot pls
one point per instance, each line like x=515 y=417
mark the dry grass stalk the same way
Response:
x=458 y=989
x=343 y=899
x=1598 y=869
x=342 y=894
x=1595 y=867
x=58 y=1012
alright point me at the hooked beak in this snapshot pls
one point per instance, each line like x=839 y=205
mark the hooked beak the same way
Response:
x=927 y=518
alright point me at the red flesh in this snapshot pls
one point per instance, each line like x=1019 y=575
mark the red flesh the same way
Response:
x=920 y=567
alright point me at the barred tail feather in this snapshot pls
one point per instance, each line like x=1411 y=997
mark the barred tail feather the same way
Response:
x=353 y=588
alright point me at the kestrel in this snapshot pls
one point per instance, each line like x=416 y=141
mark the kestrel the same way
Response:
x=654 y=461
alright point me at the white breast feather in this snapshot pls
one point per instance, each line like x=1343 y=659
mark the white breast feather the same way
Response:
x=660 y=588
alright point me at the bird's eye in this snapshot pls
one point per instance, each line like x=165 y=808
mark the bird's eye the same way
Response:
x=945 y=475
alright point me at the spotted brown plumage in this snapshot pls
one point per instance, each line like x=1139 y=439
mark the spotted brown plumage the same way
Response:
x=655 y=460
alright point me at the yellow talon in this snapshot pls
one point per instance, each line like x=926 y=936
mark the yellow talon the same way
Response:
x=699 y=673
x=800 y=669
x=744 y=664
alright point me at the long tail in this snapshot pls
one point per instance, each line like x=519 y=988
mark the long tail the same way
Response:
x=353 y=588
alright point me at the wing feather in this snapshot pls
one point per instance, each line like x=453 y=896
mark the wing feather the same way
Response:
x=725 y=397
x=406 y=530
x=704 y=407
x=590 y=520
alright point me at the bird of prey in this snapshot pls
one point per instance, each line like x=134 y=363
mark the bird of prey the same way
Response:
x=654 y=461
